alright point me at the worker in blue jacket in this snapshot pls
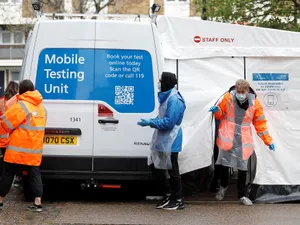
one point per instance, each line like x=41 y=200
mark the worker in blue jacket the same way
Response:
x=167 y=140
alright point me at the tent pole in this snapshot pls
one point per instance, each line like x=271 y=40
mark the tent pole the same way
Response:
x=245 y=68
x=177 y=69
x=250 y=159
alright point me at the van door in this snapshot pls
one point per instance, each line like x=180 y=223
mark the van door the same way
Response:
x=125 y=87
x=64 y=69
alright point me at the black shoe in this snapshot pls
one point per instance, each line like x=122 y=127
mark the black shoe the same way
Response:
x=35 y=208
x=174 y=204
x=166 y=199
x=1 y=205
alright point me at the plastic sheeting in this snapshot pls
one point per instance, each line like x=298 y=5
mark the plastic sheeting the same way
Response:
x=162 y=141
x=199 y=84
x=234 y=138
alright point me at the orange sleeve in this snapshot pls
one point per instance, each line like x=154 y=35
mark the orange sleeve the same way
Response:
x=12 y=118
x=260 y=123
x=222 y=108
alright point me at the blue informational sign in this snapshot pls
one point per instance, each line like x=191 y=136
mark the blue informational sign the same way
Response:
x=270 y=76
x=124 y=80
x=66 y=74
x=121 y=78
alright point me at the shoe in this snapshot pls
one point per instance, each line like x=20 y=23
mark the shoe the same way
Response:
x=35 y=208
x=246 y=201
x=165 y=201
x=17 y=183
x=174 y=204
x=221 y=193
x=1 y=205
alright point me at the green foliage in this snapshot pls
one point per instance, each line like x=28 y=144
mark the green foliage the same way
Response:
x=277 y=14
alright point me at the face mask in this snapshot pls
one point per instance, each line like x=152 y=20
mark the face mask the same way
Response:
x=241 y=97
x=159 y=86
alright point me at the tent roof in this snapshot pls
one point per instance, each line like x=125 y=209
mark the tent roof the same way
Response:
x=188 y=38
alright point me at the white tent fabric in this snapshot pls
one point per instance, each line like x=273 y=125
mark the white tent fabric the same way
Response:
x=269 y=59
x=222 y=40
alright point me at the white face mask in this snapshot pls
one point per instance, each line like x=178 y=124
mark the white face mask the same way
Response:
x=241 y=97
x=159 y=86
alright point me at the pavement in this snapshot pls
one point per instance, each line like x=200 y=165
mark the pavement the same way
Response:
x=79 y=208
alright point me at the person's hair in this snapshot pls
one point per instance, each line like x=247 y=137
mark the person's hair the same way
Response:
x=11 y=90
x=242 y=85
x=25 y=85
x=168 y=81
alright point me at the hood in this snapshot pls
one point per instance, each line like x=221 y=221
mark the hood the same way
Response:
x=34 y=97
x=162 y=96
x=251 y=90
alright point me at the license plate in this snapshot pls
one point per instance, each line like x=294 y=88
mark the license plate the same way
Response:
x=60 y=140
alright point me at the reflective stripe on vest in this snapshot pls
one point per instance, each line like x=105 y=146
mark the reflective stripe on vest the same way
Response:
x=4 y=135
x=24 y=150
x=263 y=133
x=27 y=126
x=8 y=124
x=232 y=120
x=262 y=117
x=225 y=139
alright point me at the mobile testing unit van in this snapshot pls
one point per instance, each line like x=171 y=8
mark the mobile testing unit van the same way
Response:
x=97 y=78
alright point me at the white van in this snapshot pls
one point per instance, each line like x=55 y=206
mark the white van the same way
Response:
x=97 y=78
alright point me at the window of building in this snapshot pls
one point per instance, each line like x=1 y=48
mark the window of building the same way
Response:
x=12 y=37
x=6 y=38
x=18 y=37
x=15 y=75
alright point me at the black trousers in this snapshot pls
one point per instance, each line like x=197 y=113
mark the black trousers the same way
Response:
x=241 y=182
x=171 y=179
x=217 y=172
x=10 y=170
x=2 y=160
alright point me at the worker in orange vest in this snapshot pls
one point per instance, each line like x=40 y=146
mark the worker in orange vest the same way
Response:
x=9 y=94
x=238 y=109
x=25 y=122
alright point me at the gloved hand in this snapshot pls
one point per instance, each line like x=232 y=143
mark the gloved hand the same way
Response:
x=214 y=109
x=272 y=147
x=144 y=123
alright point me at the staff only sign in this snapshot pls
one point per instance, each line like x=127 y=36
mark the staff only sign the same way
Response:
x=199 y=39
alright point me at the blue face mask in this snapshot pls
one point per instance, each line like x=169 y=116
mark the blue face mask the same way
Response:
x=241 y=97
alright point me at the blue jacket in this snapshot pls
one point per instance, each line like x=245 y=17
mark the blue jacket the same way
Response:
x=174 y=116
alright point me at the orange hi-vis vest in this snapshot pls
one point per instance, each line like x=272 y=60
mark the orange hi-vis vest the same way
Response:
x=3 y=136
x=227 y=129
x=25 y=121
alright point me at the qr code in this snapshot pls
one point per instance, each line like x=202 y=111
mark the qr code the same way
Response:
x=124 y=95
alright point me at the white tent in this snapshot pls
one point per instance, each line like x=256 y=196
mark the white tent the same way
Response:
x=208 y=58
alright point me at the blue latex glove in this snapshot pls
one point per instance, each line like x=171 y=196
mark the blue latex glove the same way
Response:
x=144 y=123
x=214 y=109
x=272 y=147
